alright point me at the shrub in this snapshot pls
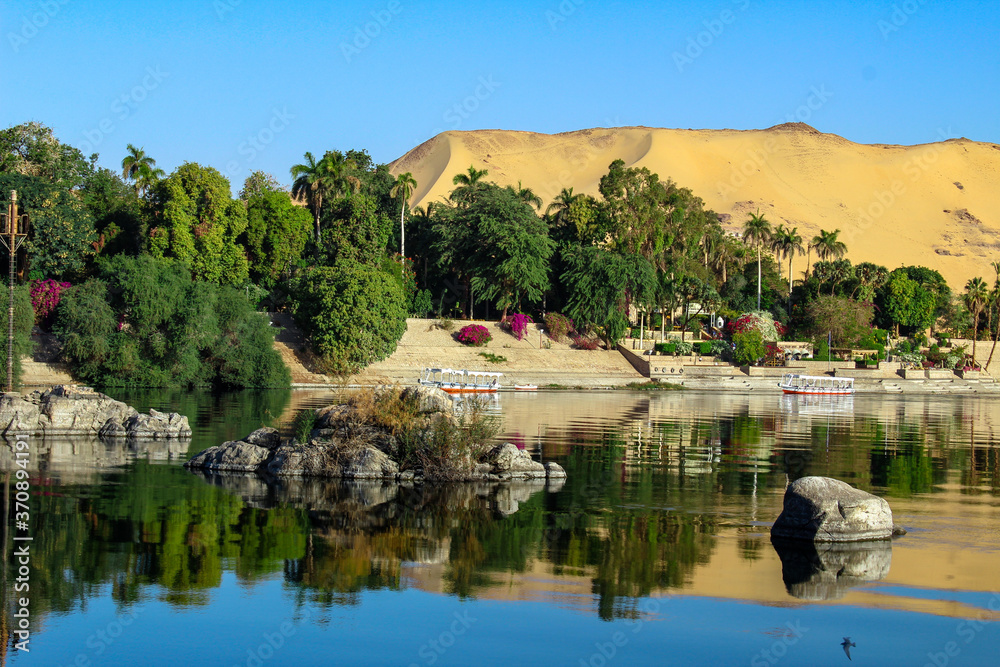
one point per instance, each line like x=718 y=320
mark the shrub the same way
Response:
x=585 y=343
x=44 y=299
x=760 y=321
x=558 y=325
x=704 y=347
x=303 y=425
x=446 y=324
x=355 y=315
x=666 y=348
x=749 y=347
x=719 y=348
x=23 y=345
x=518 y=324
x=684 y=347
x=422 y=303
x=474 y=334
x=147 y=324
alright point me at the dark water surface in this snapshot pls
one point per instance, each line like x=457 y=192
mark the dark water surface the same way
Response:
x=654 y=551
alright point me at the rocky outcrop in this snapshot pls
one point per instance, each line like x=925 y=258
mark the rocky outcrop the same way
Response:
x=346 y=443
x=74 y=410
x=822 y=509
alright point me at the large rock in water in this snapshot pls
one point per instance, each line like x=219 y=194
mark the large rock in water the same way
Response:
x=73 y=410
x=822 y=509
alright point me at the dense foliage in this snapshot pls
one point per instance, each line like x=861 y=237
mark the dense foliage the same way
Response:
x=354 y=315
x=145 y=322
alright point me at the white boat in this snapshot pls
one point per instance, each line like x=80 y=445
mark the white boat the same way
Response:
x=455 y=381
x=813 y=385
x=525 y=387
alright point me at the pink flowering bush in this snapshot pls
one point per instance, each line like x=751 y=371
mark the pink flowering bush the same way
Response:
x=45 y=297
x=558 y=325
x=518 y=324
x=585 y=343
x=761 y=321
x=474 y=334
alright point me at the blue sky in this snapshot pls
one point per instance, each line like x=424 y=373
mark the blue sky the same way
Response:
x=247 y=84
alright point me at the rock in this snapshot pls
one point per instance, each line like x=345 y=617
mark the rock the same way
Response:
x=266 y=437
x=157 y=425
x=369 y=463
x=553 y=470
x=74 y=410
x=235 y=456
x=826 y=571
x=822 y=509
x=509 y=462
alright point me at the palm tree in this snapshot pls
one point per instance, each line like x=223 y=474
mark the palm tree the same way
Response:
x=787 y=242
x=827 y=246
x=757 y=231
x=561 y=204
x=467 y=183
x=527 y=195
x=976 y=295
x=405 y=184
x=310 y=184
x=139 y=167
x=994 y=304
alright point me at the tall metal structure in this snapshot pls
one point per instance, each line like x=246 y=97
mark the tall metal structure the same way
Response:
x=14 y=229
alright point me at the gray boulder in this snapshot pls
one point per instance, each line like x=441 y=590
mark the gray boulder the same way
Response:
x=157 y=426
x=822 y=509
x=246 y=455
x=508 y=462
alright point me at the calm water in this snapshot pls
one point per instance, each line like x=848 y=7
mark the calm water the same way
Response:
x=654 y=551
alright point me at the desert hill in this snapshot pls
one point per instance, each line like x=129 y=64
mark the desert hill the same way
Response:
x=936 y=205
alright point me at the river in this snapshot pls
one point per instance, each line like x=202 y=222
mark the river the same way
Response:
x=655 y=550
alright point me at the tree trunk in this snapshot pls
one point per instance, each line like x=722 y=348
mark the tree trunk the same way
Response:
x=402 y=240
x=758 y=277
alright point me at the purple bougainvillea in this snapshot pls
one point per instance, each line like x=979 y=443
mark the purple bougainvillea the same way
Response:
x=45 y=297
x=474 y=334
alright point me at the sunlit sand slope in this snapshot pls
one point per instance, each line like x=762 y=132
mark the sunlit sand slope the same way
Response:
x=935 y=204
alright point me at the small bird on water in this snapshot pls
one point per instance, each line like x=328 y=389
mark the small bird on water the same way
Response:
x=847 y=644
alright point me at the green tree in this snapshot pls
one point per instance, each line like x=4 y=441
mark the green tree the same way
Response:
x=141 y=169
x=24 y=320
x=276 y=235
x=906 y=303
x=403 y=188
x=975 y=298
x=258 y=183
x=846 y=320
x=757 y=232
x=827 y=246
x=354 y=315
x=355 y=232
x=31 y=149
x=602 y=283
x=468 y=184
x=310 y=185
x=749 y=347
x=511 y=248
x=200 y=224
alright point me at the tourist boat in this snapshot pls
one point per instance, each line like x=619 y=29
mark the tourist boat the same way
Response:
x=525 y=387
x=792 y=383
x=455 y=381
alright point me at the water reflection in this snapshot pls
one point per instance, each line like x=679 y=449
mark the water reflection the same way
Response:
x=666 y=493
x=825 y=571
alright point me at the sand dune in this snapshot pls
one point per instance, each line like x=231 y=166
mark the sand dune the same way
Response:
x=936 y=204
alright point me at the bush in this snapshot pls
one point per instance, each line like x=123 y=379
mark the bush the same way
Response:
x=44 y=299
x=303 y=425
x=147 y=324
x=704 y=347
x=586 y=343
x=684 y=347
x=719 y=348
x=760 y=321
x=422 y=303
x=355 y=315
x=474 y=334
x=518 y=324
x=558 y=325
x=749 y=347
x=24 y=317
x=666 y=348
